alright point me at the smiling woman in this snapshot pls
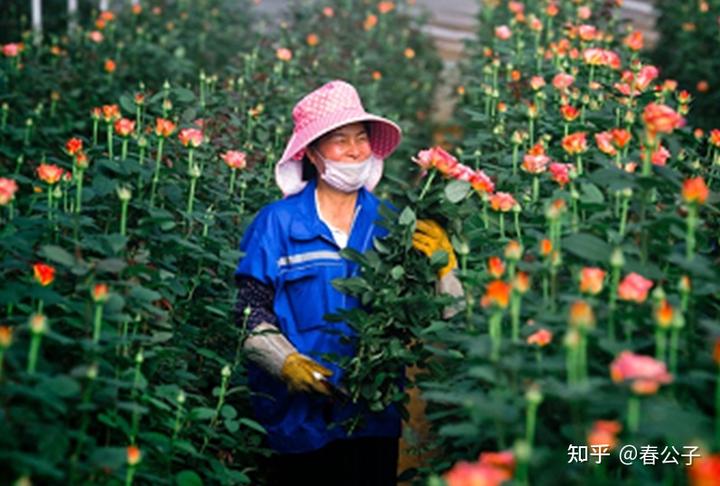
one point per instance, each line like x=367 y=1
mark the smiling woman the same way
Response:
x=332 y=162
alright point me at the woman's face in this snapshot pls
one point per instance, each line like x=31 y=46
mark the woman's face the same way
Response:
x=349 y=143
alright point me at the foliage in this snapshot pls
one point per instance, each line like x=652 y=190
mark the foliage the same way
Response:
x=138 y=351
x=688 y=30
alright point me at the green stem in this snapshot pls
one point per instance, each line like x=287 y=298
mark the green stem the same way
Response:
x=515 y=301
x=78 y=191
x=33 y=354
x=660 y=343
x=486 y=218
x=624 y=214
x=690 y=235
x=110 y=140
x=612 y=302
x=233 y=175
x=530 y=420
x=428 y=182
x=191 y=196
x=579 y=164
x=156 y=175
x=49 y=203
x=129 y=475
x=570 y=367
x=123 y=217
x=135 y=414
x=531 y=130
x=633 y=414
x=582 y=372
x=674 y=345
x=97 y=322
x=495 y=335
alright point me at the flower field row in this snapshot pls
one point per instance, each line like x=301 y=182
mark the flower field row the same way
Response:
x=583 y=211
x=133 y=153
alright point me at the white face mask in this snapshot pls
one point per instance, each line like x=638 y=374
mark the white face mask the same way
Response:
x=346 y=176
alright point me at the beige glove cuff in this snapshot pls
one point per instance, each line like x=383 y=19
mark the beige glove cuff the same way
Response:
x=450 y=285
x=268 y=348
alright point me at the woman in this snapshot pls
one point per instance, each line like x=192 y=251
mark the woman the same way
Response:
x=332 y=162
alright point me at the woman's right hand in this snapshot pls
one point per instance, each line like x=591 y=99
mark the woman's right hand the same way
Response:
x=303 y=374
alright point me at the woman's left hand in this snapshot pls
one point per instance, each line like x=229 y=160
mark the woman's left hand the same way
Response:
x=430 y=237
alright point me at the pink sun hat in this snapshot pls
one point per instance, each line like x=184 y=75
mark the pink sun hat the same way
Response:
x=331 y=106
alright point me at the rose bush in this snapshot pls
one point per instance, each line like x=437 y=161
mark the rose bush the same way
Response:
x=684 y=30
x=581 y=206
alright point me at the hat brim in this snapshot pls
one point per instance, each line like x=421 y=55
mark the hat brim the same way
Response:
x=384 y=138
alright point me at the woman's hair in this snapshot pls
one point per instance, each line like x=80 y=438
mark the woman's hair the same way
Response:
x=309 y=171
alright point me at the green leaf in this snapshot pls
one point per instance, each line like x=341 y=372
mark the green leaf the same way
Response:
x=110 y=265
x=397 y=272
x=115 y=243
x=144 y=294
x=228 y=411
x=232 y=425
x=127 y=103
x=253 y=425
x=202 y=413
x=407 y=217
x=188 y=478
x=62 y=386
x=587 y=246
x=591 y=194
x=456 y=191
x=184 y=95
x=57 y=255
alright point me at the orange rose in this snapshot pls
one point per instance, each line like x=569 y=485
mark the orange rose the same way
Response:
x=164 y=128
x=100 y=293
x=575 y=143
x=49 y=173
x=44 y=274
x=541 y=338
x=497 y=293
x=581 y=315
x=124 y=127
x=634 y=40
x=496 y=267
x=634 y=287
x=660 y=118
x=133 y=455
x=663 y=314
x=502 y=201
x=591 y=280
x=694 y=191
x=73 y=146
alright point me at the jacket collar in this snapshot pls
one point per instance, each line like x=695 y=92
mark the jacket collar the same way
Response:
x=307 y=225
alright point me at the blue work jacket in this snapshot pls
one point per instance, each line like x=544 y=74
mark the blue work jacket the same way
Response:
x=288 y=247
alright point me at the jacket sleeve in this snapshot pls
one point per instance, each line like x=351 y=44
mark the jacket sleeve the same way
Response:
x=256 y=296
x=260 y=246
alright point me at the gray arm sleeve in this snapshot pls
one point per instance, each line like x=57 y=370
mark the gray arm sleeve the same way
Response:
x=268 y=348
x=450 y=285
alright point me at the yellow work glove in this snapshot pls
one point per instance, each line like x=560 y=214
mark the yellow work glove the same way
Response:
x=303 y=374
x=429 y=237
